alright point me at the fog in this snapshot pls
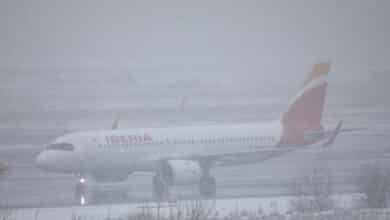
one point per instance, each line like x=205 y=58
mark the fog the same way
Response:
x=107 y=48
x=69 y=66
x=251 y=38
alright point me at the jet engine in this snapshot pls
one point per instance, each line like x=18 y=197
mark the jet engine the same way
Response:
x=181 y=172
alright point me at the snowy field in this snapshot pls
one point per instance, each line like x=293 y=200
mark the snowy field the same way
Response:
x=220 y=208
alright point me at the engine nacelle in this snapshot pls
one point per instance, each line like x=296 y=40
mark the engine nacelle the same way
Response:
x=181 y=172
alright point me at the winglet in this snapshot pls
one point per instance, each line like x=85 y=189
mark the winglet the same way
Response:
x=334 y=134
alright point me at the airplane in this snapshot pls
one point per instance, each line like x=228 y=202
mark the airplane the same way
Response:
x=185 y=155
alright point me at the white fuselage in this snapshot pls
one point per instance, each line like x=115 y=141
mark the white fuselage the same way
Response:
x=140 y=149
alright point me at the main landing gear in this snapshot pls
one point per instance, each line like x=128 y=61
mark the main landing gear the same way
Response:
x=160 y=187
x=206 y=186
x=207 y=183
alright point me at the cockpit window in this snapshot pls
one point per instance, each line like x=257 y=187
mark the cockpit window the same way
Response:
x=61 y=146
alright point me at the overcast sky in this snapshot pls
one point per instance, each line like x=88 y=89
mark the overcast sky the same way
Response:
x=245 y=37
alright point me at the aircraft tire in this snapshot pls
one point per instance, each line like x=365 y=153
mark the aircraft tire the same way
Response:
x=160 y=188
x=208 y=187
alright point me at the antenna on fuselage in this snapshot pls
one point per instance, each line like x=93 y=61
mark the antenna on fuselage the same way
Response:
x=115 y=124
x=183 y=103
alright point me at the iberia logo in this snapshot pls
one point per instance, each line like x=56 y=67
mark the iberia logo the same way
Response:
x=128 y=139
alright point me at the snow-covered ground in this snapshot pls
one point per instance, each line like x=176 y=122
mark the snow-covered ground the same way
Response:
x=220 y=207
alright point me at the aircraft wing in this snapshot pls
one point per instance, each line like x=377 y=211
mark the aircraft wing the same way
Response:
x=248 y=158
x=233 y=159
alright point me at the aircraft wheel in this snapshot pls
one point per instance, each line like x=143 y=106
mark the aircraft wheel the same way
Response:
x=208 y=186
x=160 y=188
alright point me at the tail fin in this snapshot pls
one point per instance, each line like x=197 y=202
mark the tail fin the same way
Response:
x=305 y=110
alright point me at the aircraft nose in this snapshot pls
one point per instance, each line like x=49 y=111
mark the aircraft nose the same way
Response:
x=57 y=161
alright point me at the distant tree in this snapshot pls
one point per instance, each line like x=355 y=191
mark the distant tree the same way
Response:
x=374 y=182
x=196 y=209
x=313 y=191
x=3 y=168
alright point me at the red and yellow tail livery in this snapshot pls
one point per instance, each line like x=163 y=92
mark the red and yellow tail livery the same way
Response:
x=305 y=110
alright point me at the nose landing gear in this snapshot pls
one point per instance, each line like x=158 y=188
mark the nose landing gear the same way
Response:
x=81 y=191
